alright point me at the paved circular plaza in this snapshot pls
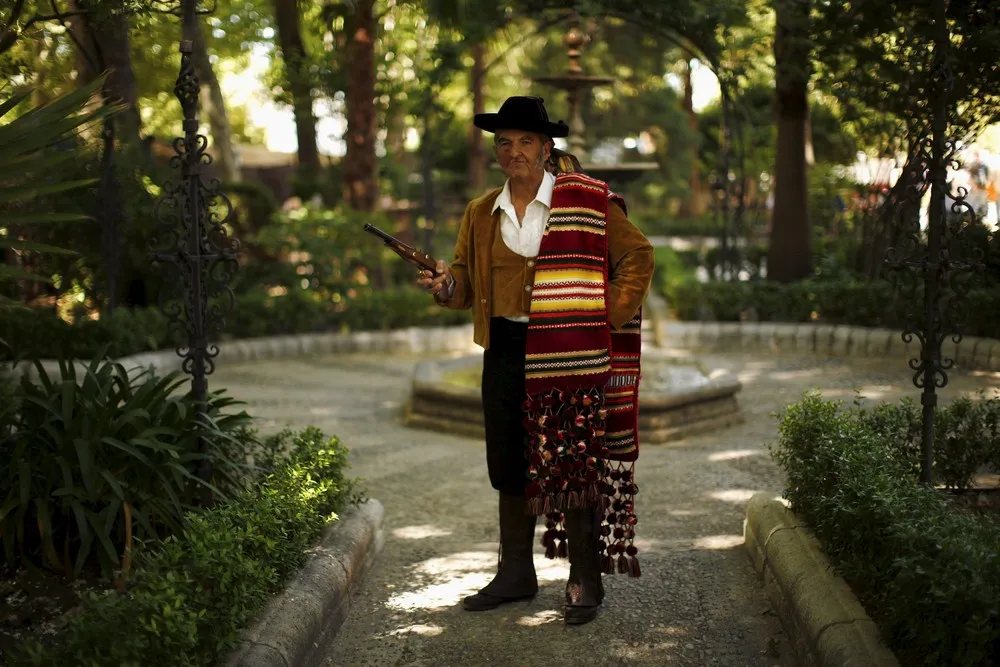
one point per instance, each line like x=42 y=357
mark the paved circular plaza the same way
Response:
x=697 y=603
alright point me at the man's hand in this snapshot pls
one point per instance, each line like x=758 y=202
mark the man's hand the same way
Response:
x=440 y=287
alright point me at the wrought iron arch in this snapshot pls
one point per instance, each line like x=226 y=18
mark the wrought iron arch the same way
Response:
x=728 y=188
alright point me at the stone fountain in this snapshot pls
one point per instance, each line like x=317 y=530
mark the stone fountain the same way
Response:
x=678 y=398
x=577 y=85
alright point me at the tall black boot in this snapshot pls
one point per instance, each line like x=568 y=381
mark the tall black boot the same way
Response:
x=585 y=588
x=515 y=579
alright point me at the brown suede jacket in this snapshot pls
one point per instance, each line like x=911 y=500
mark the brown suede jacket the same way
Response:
x=631 y=271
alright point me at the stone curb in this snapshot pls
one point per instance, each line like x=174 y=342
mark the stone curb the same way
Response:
x=822 y=617
x=415 y=340
x=295 y=625
x=835 y=340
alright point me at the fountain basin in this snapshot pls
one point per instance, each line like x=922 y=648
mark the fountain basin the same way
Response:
x=677 y=398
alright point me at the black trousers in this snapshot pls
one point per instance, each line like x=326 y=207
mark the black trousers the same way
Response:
x=503 y=395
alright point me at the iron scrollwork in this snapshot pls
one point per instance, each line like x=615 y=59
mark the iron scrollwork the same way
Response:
x=192 y=248
x=930 y=271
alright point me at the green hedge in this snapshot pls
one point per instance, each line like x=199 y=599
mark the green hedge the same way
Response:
x=192 y=594
x=300 y=311
x=927 y=572
x=657 y=223
x=42 y=334
x=35 y=334
x=869 y=304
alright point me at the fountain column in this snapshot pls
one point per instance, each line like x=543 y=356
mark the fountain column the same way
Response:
x=577 y=84
x=574 y=40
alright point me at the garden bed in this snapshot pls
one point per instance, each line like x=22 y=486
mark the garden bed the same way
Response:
x=189 y=596
x=110 y=557
x=923 y=561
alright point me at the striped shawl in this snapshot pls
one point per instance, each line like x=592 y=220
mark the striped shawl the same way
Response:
x=582 y=379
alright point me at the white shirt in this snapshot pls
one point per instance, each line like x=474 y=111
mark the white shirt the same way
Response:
x=525 y=237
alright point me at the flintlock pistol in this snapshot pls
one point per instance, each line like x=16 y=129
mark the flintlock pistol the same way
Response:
x=420 y=259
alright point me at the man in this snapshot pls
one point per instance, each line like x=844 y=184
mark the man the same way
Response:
x=555 y=275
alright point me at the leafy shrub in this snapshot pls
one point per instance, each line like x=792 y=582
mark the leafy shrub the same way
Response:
x=850 y=302
x=32 y=334
x=83 y=457
x=374 y=310
x=967 y=439
x=656 y=223
x=253 y=202
x=192 y=594
x=328 y=248
x=672 y=269
x=41 y=334
x=299 y=311
x=927 y=572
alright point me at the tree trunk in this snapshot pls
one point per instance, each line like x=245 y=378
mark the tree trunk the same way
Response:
x=215 y=107
x=790 y=254
x=293 y=51
x=477 y=154
x=395 y=132
x=427 y=171
x=42 y=48
x=360 y=166
x=694 y=205
x=104 y=45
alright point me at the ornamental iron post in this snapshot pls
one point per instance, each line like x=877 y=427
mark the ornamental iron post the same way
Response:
x=728 y=184
x=196 y=257
x=724 y=191
x=930 y=271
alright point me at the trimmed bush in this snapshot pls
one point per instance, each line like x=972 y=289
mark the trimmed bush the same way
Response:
x=192 y=594
x=851 y=302
x=34 y=334
x=926 y=571
x=43 y=335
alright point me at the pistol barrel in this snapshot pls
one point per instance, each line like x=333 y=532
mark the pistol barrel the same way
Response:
x=372 y=229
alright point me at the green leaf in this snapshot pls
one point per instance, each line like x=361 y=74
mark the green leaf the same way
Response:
x=36 y=247
x=8 y=272
x=109 y=514
x=15 y=99
x=83 y=553
x=43 y=218
x=128 y=449
x=27 y=192
x=82 y=524
x=139 y=515
x=85 y=456
x=105 y=540
x=8 y=506
x=45 y=530
x=24 y=474
x=114 y=484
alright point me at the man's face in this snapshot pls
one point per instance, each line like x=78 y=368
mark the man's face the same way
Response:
x=521 y=154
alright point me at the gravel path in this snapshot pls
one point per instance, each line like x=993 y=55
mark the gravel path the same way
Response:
x=697 y=602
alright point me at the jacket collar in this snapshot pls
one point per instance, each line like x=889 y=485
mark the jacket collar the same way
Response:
x=543 y=196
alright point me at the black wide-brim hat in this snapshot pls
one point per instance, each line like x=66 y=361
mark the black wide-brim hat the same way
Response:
x=522 y=113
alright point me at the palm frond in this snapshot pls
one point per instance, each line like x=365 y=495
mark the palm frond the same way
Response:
x=25 y=192
x=29 y=155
